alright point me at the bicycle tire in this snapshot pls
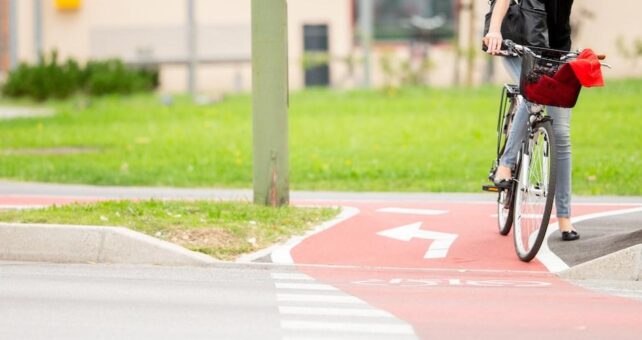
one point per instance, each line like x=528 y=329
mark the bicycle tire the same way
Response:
x=535 y=190
x=505 y=210
x=505 y=198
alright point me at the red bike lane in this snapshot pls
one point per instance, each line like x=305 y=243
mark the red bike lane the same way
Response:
x=444 y=268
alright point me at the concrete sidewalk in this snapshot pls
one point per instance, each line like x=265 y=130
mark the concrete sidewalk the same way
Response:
x=13 y=112
x=12 y=188
x=91 y=244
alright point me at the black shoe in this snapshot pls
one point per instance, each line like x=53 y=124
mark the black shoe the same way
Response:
x=570 y=235
x=503 y=183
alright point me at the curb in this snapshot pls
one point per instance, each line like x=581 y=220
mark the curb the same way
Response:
x=552 y=261
x=623 y=265
x=280 y=252
x=91 y=244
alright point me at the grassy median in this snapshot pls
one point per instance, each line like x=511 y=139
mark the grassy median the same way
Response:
x=415 y=139
x=224 y=230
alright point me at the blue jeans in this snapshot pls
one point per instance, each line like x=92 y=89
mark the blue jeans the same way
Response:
x=561 y=128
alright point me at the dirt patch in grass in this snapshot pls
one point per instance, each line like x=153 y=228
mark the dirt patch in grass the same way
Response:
x=219 y=243
x=200 y=238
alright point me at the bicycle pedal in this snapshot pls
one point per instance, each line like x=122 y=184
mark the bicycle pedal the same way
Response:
x=491 y=188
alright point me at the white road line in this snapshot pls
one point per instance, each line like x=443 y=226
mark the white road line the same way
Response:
x=319 y=298
x=550 y=260
x=291 y=276
x=281 y=253
x=344 y=336
x=633 y=291
x=347 y=327
x=608 y=204
x=357 y=312
x=321 y=337
x=303 y=286
x=427 y=212
x=531 y=216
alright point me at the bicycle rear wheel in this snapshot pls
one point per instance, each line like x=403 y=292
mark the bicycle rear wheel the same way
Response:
x=505 y=210
x=535 y=191
x=508 y=108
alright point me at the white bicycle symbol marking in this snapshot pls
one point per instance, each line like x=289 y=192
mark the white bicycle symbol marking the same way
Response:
x=454 y=282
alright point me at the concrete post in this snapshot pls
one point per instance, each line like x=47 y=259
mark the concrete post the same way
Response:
x=37 y=27
x=13 y=34
x=472 y=40
x=366 y=22
x=270 y=101
x=457 y=41
x=192 y=50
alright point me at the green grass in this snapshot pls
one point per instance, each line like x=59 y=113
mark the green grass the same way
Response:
x=222 y=229
x=417 y=139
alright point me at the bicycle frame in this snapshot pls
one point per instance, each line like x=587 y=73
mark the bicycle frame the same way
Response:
x=527 y=201
x=526 y=213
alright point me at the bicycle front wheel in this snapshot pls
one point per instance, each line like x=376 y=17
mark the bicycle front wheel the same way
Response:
x=535 y=191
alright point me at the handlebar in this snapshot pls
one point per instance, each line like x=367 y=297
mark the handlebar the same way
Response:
x=516 y=49
x=512 y=49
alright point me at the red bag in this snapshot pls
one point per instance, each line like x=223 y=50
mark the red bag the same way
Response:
x=561 y=89
x=588 y=69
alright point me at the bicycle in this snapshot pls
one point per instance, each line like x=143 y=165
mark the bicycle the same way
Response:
x=527 y=201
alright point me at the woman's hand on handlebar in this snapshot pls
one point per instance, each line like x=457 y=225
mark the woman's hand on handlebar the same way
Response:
x=493 y=42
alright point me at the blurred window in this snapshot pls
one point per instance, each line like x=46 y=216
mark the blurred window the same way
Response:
x=315 y=44
x=408 y=19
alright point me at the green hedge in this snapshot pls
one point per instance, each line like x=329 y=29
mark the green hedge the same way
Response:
x=51 y=79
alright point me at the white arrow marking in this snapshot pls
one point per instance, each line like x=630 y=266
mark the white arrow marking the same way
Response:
x=413 y=211
x=439 y=247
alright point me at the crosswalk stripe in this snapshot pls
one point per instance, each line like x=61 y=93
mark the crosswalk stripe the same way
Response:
x=427 y=212
x=291 y=276
x=373 y=313
x=336 y=310
x=346 y=327
x=318 y=298
x=303 y=286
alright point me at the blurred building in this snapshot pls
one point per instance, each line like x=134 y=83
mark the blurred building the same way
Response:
x=4 y=36
x=432 y=42
x=153 y=32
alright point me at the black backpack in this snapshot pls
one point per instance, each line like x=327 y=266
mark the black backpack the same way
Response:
x=524 y=23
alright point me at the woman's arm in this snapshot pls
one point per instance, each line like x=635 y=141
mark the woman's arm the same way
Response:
x=493 y=40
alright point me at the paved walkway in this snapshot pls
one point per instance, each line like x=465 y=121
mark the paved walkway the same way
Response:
x=12 y=112
x=12 y=188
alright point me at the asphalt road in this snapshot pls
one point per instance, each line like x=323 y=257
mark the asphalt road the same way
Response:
x=229 y=301
x=599 y=237
x=104 y=302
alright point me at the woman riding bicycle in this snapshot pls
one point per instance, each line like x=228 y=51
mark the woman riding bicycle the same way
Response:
x=559 y=35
